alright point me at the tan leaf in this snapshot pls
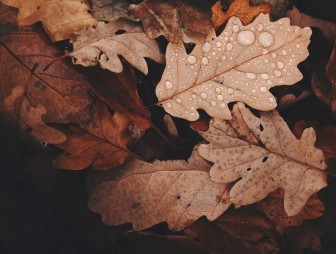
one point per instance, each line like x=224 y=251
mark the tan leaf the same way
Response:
x=101 y=142
x=61 y=19
x=58 y=95
x=146 y=194
x=241 y=64
x=175 y=20
x=267 y=156
x=109 y=10
x=103 y=44
x=272 y=207
x=240 y=9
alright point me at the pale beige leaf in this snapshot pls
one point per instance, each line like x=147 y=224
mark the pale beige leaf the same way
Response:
x=104 y=44
x=272 y=159
x=241 y=64
x=146 y=194
x=61 y=19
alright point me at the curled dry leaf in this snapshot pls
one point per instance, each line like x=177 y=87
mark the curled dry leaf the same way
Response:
x=103 y=44
x=102 y=142
x=267 y=156
x=31 y=96
x=240 y=9
x=241 y=64
x=61 y=19
x=173 y=191
x=272 y=207
x=109 y=10
x=300 y=19
x=174 y=19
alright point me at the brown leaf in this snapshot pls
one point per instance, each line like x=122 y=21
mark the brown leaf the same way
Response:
x=109 y=10
x=119 y=91
x=239 y=8
x=146 y=194
x=278 y=7
x=101 y=142
x=261 y=155
x=61 y=19
x=174 y=19
x=237 y=231
x=272 y=207
x=331 y=74
x=30 y=95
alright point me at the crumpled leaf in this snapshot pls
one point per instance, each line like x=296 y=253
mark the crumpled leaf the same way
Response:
x=146 y=194
x=267 y=156
x=101 y=142
x=302 y=20
x=174 y=19
x=240 y=9
x=104 y=44
x=272 y=207
x=61 y=19
x=278 y=7
x=109 y=10
x=31 y=96
x=241 y=64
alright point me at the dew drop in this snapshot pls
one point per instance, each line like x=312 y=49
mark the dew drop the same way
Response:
x=265 y=60
x=213 y=103
x=277 y=73
x=213 y=53
x=220 y=97
x=280 y=65
x=169 y=85
x=223 y=57
x=204 y=95
x=246 y=38
x=273 y=65
x=178 y=100
x=205 y=61
x=230 y=91
x=260 y=27
x=250 y=75
x=235 y=28
x=191 y=59
x=284 y=52
x=168 y=104
x=298 y=45
x=274 y=55
x=193 y=96
x=266 y=39
x=218 y=44
x=264 y=76
x=218 y=90
x=263 y=89
x=271 y=99
x=264 y=51
x=269 y=82
x=206 y=47
x=222 y=105
x=229 y=46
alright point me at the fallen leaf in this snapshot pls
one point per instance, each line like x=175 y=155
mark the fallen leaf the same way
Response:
x=237 y=231
x=278 y=7
x=267 y=156
x=240 y=9
x=61 y=19
x=119 y=91
x=104 y=43
x=102 y=142
x=321 y=86
x=300 y=19
x=110 y=10
x=146 y=194
x=288 y=100
x=331 y=74
x=241 y=64
x=272 y=207
x=174 y=19
x=28 y=94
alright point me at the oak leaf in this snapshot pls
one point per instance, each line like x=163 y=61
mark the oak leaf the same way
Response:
x=267 y=156
x=272 y=207
x=241 y=64
x=101 y=142
x=240 y=9
x=61 y=19
x=146 y=194
x=104 y=43
x=109 y=10
x=174 y=19
x=31 y=96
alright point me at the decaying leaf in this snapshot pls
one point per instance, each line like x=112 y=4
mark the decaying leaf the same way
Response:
x=174 y=19
x=61 y=19
x=241 y=64
x=272 y=207
x=278 y=7
x=240 y=9
x=331 y=74
x=298 y=18
x=109 y=10
x=102 y=142
x=267 y=156
x=146 y=194
x=104 y=43
x=31 y=96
